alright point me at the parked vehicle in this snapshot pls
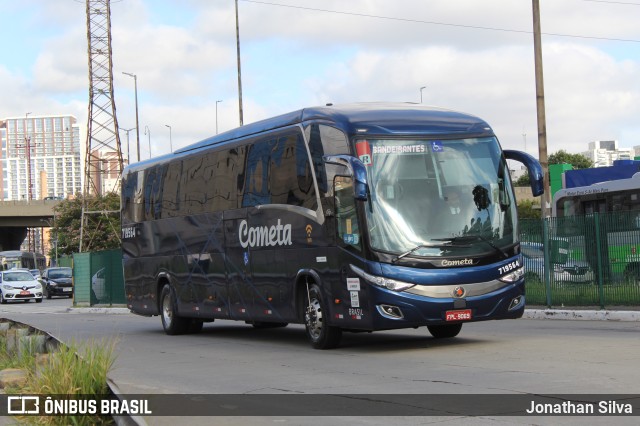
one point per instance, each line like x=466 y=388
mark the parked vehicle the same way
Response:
x=98 y=290
x=571 y=271
x=36 y=273
x=58 y=282
x=19 y=285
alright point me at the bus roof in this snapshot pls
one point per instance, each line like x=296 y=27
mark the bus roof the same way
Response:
x=380 y=119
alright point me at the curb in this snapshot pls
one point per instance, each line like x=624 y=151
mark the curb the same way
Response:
x=585 y=315
x=98 y=310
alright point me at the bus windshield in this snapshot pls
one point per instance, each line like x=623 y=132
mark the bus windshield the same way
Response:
x=436 y=198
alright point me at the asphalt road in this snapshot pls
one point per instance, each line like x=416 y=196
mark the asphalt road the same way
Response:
x=497 y=357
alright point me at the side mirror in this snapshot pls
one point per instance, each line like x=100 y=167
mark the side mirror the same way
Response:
x=533 y=166
x=357 y=170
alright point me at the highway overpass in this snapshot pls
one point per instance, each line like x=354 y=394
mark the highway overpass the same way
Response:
x=17 y=216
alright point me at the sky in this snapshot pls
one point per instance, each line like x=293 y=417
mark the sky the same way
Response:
x=466 y=55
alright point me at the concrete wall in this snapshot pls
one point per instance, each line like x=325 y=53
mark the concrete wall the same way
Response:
x=524 y=193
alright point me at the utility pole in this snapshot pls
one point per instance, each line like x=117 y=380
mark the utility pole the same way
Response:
x=542 y=122
x=239 y=69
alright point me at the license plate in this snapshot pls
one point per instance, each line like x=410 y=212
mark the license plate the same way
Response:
x=459 y=315
x=67 y=289
x=24 y=293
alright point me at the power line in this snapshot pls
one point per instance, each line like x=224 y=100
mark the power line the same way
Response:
x=625 y=3
x=420 y=21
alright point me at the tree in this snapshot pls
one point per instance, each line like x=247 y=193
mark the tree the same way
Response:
x=529 y=209
x=578 y=161
x=101 y=232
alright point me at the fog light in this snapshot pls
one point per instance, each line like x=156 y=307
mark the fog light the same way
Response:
x=390 y=311
x=516 y=302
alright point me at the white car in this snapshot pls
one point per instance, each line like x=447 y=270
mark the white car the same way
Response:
x=19 y=285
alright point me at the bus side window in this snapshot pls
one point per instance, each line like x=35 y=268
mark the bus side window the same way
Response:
x=152 y=192
x=129 y=183
x=348 y=227
x=170 y=189
x=325 y=140
x=138 y=199
x=193 y=185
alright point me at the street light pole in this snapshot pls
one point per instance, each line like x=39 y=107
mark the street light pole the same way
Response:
x=170 y=141
x=217 y=102
x=135 y=85
x=128 y=154
x=421 y=89
x=147 y=131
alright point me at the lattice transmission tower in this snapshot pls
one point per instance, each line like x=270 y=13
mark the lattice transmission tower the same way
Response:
x=103 y=160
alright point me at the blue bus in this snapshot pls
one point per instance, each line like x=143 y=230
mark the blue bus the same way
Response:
x=357 y=217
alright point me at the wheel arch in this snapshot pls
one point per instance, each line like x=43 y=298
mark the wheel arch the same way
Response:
x=304 y=277
x=162 y=279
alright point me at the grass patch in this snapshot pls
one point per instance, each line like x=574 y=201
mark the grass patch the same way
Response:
x=67 y=371
x=583 y=294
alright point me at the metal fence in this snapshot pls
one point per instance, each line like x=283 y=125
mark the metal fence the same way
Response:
x=591 y=260
x=98 y=278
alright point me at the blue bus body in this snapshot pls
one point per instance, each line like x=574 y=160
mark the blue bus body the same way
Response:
x=329 y=217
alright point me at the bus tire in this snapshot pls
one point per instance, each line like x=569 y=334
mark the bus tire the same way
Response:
x=321 y=335
x=171 y=322
x=445 y=331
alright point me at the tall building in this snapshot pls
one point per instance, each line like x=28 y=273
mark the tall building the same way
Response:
x=604 y=153
x=40 y=157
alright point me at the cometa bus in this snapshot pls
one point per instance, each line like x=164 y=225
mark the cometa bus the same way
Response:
x=334 y=217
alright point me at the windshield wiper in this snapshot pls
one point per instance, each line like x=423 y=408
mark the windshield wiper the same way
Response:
x=469 y=238
x=416 y=248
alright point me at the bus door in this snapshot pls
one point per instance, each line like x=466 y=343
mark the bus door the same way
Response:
x=238 y=266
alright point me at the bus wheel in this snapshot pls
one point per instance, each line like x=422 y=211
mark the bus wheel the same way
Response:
x=319 y=333
x=445 y=331
x=171 y=322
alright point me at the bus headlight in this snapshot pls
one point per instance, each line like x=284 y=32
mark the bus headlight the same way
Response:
x=387 y=283
x=513 y=276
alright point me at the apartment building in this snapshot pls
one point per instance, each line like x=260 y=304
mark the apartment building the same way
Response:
x=40 y=157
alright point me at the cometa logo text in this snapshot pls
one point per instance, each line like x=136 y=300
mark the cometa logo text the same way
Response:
x=264 y=236
x=460 y=262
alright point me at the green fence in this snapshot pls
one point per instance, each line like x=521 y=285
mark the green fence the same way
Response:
x=98 y=279
x=591 y=260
